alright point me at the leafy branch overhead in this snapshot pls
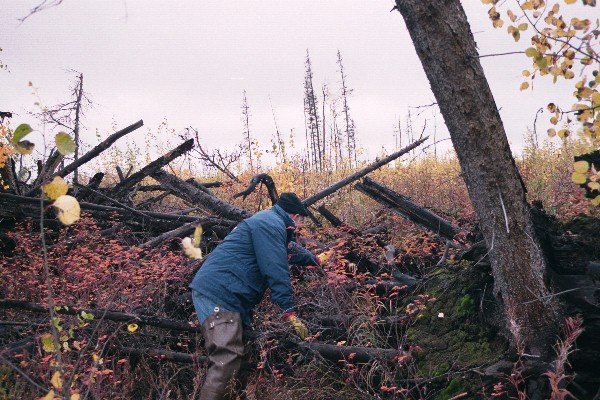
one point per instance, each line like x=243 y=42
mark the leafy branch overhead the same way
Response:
x=561 y=48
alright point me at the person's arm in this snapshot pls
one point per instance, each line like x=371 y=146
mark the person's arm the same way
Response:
x=271 y=256
x=298 y=255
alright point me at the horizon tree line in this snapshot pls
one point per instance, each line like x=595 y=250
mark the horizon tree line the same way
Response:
x=330 y=130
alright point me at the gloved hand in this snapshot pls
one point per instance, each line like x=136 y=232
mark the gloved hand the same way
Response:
x=299 y=327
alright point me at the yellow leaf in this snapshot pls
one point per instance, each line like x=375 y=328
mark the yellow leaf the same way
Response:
x=553 y=120
x=58 y=187
x=570 y=1
x=526 y=72
x=551 y=132
x=49 y=396
x=532 y=52
x=596 y=98
x=75 y=396
x=569 y=74
x=56 y=380
x=594 y=185
x=67 y=209
x=523 y=26
x=47 y=342
x=596 y=201
x=524 y=85
x=324 y=257
x=24 y=147
x=527 y=5
x=511 y=15
x=132 y=327
x=197 y=236
x=578 y=178
x=563 y=133
x=64 y=143
x=581 y=166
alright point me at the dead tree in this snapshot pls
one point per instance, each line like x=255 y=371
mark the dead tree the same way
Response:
x=215 y=159
x=349 y=127
x=442 y=37
x=68 y=115
x=311 y=113
x=246 y=124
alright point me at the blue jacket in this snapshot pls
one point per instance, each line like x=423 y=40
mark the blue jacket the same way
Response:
x=251 y=258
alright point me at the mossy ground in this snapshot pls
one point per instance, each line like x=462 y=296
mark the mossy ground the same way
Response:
x=452 y=331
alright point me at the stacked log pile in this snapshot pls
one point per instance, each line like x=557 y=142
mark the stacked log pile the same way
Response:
x=116 y=203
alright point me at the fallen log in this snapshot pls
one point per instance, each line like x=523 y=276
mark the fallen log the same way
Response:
x=184 y=230
x=120 y=188
x=94 y=182
x=52 y=162
x=198 y=185
x=404 y=207
x=329 y=216
x=359 y=174
x=161 y=355
x=13 y=205
x=328 y=351
x=110 y=315
x=105 y=144
x=110 y=199
x=193 y=195
x=151 y=188
x=152 y=200
x=56 y=157
x=266 y=180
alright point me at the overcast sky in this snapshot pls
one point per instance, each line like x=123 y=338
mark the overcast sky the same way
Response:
x=189 y=61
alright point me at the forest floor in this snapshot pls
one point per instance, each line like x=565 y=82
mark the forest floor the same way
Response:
x=440 y=317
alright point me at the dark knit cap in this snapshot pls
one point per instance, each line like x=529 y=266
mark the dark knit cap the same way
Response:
x=292 y=204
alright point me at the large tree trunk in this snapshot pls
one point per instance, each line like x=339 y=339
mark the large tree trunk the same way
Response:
x=445 y=45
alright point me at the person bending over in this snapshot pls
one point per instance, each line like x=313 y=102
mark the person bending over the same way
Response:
x=233 y=280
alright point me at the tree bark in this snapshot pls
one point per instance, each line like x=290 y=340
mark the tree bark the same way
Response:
x=404 y=207
x=442 y=37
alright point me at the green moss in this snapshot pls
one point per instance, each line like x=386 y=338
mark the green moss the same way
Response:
x=449 y=391
x=452 y=337
x=465 y=306
x=441 y=369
